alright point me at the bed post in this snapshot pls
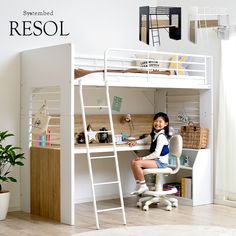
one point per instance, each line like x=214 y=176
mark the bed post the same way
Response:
x=67 y=146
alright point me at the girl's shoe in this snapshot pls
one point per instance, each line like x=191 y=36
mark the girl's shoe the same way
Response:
x=143 y=188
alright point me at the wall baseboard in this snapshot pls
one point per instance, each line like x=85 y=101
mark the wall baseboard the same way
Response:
x=225 y=202
x=11 y=209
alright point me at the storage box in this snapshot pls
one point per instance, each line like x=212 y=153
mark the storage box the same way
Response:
x=194 y=136
x=169 y=186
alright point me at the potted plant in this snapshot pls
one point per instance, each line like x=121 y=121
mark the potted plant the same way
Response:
x=9 y=157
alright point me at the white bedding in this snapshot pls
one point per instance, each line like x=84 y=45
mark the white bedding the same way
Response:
x=143 y=80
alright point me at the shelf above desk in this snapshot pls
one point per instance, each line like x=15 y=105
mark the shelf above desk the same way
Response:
x=98 y=148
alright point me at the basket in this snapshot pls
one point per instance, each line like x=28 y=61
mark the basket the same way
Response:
x=194 y=136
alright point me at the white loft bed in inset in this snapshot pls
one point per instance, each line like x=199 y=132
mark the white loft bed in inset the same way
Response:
x=53 y=68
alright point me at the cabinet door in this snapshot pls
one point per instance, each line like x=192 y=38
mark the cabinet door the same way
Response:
x=45 y=182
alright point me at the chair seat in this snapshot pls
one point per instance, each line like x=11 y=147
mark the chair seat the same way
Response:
x=158 y=171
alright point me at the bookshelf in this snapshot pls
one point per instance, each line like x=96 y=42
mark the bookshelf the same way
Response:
x=200 y=169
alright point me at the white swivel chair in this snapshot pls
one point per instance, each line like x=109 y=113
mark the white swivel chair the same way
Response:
x=158 y=195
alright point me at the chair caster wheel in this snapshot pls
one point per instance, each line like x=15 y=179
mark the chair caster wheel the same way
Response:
x=168 y=208
x=146 y=208
x=175 y=204
x=139 y=204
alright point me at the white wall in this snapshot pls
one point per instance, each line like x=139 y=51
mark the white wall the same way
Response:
x=93 y=26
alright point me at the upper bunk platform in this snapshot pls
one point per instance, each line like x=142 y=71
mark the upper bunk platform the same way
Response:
x=146 y=69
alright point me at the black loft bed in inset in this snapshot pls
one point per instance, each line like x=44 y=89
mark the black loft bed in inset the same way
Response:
x=156 y=18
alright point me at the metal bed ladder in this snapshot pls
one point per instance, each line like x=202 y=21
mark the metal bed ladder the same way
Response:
x=155 y=30
x=91 y=158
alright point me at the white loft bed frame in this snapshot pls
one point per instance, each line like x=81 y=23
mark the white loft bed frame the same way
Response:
x=54 y=66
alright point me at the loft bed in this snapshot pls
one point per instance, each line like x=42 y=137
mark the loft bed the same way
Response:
x=54 y=73
x=155 y=18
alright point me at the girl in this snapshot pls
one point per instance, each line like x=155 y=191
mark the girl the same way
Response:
x=159 y=150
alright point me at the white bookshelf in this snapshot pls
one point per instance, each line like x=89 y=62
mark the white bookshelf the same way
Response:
x=200 y=169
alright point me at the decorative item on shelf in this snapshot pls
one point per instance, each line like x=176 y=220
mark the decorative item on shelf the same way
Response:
x=118 y=139
x=194 y=136
x=182 y=160
x=127 y=119
x=79 y=138
x=48 y=137
x=187 y=161
x=103 y=136
x=42 y=140
x=45 y=139
x=183 y=117
x=92 y=135
x=41 y=120
x=75 y=138
x=9 y=157
x=123 y=136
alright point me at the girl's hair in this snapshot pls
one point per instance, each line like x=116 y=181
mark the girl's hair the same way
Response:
x=166 y=119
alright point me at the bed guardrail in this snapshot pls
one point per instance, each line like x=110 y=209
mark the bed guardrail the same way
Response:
x=177 y=65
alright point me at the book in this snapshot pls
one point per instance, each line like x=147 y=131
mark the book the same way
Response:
x=186 y=187
x=182 y=187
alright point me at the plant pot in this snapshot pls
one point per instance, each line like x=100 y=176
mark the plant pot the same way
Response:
x=4 y=203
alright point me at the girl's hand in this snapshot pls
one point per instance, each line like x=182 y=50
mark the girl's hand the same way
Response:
x=138 y=158
x=132 y=143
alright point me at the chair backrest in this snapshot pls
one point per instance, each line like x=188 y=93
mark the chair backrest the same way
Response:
x=176 y=146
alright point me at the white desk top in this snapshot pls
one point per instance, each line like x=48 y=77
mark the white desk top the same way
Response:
x=96 y=148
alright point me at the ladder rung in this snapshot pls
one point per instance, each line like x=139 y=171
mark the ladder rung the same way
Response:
x=105 y=131
x=110 y=209
x=95 y=106
x=105 y=183
x=102 y=157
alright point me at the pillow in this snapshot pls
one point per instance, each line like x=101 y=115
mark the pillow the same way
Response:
x=155 y=62
x=181 y=66
x=141 y=61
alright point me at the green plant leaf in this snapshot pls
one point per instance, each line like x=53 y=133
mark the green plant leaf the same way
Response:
x=9 y=157
x=19 y=163
x=3 y=179
x=4 y=135
x=12 y=179
x=7 y=173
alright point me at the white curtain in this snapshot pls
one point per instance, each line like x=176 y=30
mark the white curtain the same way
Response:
x=225 y=154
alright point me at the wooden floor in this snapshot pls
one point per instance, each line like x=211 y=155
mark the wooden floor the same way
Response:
x=19 y=223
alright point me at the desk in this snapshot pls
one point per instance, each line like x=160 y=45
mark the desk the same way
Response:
x=45 y=175
x=98 y=148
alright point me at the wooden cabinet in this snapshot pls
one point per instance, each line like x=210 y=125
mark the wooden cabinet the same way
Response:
x=45 y=182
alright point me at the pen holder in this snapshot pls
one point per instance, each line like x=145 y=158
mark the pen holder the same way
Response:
x=118 y=138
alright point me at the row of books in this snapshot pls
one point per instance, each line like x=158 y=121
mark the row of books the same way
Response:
x=184 y=189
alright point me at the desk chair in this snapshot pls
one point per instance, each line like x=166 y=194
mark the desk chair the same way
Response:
x=158 y=195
